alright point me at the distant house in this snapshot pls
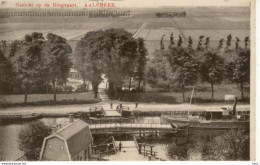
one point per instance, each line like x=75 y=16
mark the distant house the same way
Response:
x=72 y=142
x=74 y=74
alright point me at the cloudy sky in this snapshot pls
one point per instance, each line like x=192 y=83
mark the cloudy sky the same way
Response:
x=138 y=3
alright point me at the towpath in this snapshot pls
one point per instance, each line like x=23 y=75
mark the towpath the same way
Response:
x=142 y=107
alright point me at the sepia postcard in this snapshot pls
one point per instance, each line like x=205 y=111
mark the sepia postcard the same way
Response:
x=127 y=80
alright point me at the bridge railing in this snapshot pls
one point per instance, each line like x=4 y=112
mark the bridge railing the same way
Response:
x=130 y=125
x=136 y=143
x=94 y=109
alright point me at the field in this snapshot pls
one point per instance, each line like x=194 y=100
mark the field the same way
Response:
x=203 y=95
x=47 y=99
x=213 y=22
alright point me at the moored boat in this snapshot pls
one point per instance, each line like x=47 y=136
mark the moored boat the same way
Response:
x=221 y=118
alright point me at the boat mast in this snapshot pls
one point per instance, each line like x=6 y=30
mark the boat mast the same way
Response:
x=192 y=93
x=191 y=98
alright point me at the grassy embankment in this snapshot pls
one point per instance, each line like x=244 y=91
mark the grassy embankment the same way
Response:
x=174 y=96
x=47 y=99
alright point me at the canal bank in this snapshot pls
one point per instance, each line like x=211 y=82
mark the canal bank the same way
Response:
x=144 y=107
x=108 y=119
x=9 y=131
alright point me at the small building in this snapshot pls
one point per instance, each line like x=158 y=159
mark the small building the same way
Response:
x=72 y=142
x=74 y=74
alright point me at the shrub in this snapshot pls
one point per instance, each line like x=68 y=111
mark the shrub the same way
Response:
x=30 y=138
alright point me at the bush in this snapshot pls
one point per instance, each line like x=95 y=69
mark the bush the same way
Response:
x=30 y=138
x=80 y=88
x=233 y=145
x=68 y=89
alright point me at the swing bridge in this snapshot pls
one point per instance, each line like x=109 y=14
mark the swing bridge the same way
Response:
x=136 y=128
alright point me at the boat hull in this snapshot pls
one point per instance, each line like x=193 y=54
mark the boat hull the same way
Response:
x=211 y=124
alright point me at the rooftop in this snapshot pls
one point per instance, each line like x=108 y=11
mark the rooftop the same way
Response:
x=78 y=136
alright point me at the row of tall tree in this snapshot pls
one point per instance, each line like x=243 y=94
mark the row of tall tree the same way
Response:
x=113 y=53
x=118 y=56
x=184 y=65
x=34 y=61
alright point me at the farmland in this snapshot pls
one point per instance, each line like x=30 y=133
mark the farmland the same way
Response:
x=212 y=22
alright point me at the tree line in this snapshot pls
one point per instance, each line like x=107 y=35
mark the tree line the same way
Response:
x=37 y=63
x=185 y=65
x=32 y=64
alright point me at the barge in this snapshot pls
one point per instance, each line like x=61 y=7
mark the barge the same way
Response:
x=221 y=118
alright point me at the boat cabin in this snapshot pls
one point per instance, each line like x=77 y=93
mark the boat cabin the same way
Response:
x=216 y=114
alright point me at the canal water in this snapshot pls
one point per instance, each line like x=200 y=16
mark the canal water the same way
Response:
x=9 y=147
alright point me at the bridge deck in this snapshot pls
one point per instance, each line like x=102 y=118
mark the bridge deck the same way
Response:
x=127 y=125
x=110 y=112
x=126 y=128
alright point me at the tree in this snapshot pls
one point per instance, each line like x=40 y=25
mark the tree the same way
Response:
x=246 y=42
x=199 y=47
x=161 y=43
x=180 y=41
x=239 y=69
x=159 y=72
x=57 y=61
x=184 y=67
x=190 y=42
x=237 y=43
x=233 y=145
x=7 y=74
x=171 y=41
x=141 y=61
x=30 y=62
x=212 y=69
x=229 y=39
x=112 y=52
x=121 y=59
x=220 y=44
x=30 y=138
x=207 y=43
x=88 y=59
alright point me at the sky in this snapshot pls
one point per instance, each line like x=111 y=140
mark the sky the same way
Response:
x=137 y=3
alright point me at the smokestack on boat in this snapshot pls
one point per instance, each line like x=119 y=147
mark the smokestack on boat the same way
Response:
x=234 y=106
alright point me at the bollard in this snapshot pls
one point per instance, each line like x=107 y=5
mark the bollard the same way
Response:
x=150 y=157
x=136 y=105
x=111 y=105
x=120 y=146
x=144 y=150
x=187 y=134
x=107 y=149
